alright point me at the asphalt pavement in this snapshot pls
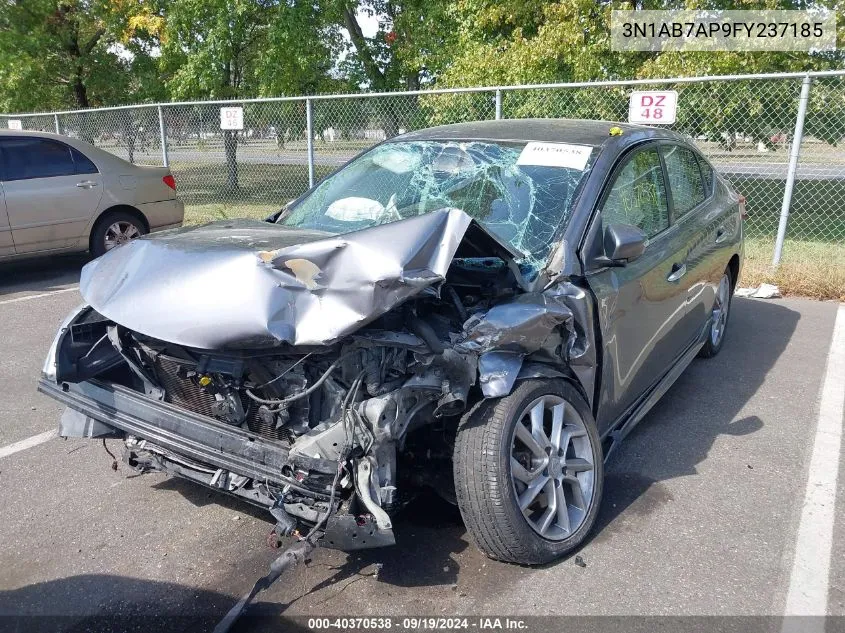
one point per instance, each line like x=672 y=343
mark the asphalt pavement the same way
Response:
x=700 y=517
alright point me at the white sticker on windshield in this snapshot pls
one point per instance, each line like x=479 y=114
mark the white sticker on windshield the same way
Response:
x=555 y=155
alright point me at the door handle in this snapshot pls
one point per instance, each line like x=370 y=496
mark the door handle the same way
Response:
x=86 y=184
x=720 y=235
x=678 y=271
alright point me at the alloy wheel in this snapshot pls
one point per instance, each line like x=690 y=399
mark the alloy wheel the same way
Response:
x=552 y=467
x=721 y=305
x=119 y=233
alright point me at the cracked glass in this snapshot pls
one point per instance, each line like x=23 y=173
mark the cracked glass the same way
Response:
x=523 y=205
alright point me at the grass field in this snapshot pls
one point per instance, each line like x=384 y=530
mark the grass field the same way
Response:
x=813 y=263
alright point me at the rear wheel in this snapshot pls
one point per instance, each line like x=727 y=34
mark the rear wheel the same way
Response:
x=719 y=317
x=113 y=229
x=529 y=472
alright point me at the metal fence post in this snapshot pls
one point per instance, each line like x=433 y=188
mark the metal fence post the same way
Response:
x=309 y=128
x=794 y=151
x=498 y=104
x=163 y=132
x=58 y=125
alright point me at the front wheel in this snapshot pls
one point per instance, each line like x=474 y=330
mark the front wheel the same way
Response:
x=529 y=472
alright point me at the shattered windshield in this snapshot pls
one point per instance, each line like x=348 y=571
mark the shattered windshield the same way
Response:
x=520 y=192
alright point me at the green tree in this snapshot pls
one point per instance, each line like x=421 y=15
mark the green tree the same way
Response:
x=408 y=51
x=226 y=49
x=72 y=53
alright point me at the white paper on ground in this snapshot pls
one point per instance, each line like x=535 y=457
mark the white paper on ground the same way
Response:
x=555 y=155
x=765 y=291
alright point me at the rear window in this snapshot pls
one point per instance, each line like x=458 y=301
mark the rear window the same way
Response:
x=707 y=174
x=83 y=163
x=685 y=180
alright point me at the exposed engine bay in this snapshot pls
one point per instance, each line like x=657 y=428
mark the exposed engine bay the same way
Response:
x=354 y=424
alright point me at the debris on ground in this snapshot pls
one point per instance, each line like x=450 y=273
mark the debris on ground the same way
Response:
x=763 y=291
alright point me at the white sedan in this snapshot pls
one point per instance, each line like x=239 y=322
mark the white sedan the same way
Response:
x=61 y=194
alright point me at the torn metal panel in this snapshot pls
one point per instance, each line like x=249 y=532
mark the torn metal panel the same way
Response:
x=497 y=372
x=522 y=325
x=552 y=327
x=581 y=356
x=252 y=284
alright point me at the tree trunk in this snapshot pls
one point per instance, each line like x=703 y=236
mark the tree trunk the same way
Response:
x=80 y=92
x=230 y=146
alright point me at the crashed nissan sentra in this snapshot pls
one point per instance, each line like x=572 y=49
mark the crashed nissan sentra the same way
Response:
x=485 y=309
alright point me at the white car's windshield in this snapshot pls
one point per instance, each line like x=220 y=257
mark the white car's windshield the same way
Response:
x=521 y=192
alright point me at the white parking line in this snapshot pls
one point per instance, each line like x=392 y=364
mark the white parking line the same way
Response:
x=38 y=296
x=29 y=442
x=808 y=583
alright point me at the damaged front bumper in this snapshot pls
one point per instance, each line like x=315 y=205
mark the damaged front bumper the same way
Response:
x=162 y=437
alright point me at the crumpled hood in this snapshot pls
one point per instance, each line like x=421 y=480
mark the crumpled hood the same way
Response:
x=247 y=283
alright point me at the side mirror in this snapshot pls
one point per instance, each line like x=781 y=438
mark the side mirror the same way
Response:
x=622 y=243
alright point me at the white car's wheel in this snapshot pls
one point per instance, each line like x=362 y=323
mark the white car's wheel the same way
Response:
x=114 y=229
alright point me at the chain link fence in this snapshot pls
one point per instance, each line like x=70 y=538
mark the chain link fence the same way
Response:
x=746 y=125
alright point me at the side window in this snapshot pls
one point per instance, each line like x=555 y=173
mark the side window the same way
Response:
x=638 y=195
x=36 y=158
x=685 y=179
x=83 y=163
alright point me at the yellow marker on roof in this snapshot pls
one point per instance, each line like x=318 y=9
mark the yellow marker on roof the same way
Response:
x=616 y=131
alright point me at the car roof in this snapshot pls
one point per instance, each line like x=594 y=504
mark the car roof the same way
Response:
x=580 y=131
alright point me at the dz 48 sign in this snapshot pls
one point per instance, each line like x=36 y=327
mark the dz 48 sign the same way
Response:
x=653 y=107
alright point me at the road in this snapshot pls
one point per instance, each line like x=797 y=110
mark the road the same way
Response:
x=700 y=517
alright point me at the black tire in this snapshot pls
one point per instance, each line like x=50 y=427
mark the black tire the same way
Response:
x=98 y=245
x=713 y=344
x=485 y=490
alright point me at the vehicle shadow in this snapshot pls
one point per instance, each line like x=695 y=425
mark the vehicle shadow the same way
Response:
x=92 y=603
x=43 y=274
x=701 y=406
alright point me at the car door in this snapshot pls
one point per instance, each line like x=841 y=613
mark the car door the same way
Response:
x=699 y=218
x=49 y=204
x=641 y=305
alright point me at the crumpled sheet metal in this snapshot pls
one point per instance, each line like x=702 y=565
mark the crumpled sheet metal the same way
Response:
x=252 y=284
x=521 y=325
x=551 y=327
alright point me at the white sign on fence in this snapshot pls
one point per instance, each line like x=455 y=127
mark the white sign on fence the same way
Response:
x=15 y=124
x=232 y=118
x=653 y=107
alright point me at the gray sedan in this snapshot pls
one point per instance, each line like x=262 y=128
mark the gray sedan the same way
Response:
x=485 y=309
x=61 y=194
